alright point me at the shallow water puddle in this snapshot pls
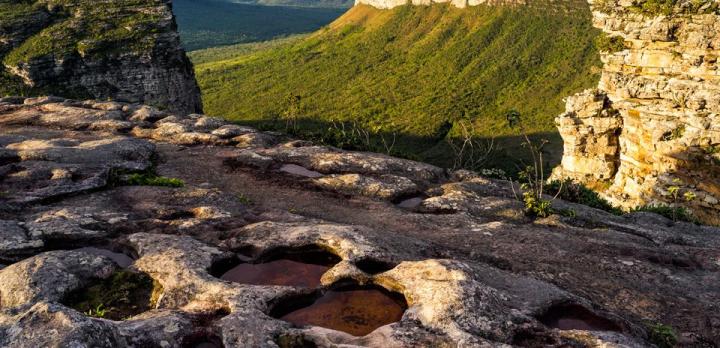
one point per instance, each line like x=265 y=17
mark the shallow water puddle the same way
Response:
x=300 y=171
x=278 y=272
x=355 y=310
x=121 y=259
x=575 y=317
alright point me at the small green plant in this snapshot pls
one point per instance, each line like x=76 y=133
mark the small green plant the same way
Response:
x=674 y=134
x=673 y=213
x=292 y=113
x=244 y=199
x=151 y=179
x=98 y=312
x=675 y=193
x=609 y=44
x=663 y=336
x=532 y=178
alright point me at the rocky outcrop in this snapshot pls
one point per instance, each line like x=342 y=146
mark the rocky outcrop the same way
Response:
x=122 y=50
x=471 y=268
x=652 y=126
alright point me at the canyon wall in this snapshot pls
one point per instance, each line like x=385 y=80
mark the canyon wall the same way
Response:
x=650 y=133
x=122 y=50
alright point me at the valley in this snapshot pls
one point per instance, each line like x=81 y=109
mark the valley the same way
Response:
x=417 y=74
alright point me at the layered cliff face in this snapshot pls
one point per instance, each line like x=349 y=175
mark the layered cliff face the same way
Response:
x=650 y=133
x=125 y=50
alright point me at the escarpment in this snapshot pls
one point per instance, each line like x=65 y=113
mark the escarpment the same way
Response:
x=122 y=50
x=650 y=133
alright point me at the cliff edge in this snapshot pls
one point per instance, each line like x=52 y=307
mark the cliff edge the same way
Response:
x=650 y=133
x=122 y=50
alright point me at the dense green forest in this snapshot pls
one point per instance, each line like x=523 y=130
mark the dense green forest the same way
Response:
x=419 y=74
x=209 y=23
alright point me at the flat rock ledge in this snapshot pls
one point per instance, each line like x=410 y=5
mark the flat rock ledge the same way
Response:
x=473 y=270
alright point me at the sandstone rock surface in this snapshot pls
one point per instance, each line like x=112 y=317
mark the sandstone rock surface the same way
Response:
x=473 y=270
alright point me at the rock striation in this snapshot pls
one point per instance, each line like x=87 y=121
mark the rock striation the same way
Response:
x=122 y=50
x=652 y=127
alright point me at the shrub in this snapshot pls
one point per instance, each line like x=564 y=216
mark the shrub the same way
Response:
x=663 y=336
x=610 y=44
x=655 y=7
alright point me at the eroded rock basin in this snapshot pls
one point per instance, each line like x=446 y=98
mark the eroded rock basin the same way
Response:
x=576 y=317
x=122 y=295
x=352 y=309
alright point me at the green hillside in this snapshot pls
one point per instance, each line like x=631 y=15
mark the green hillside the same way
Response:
x=417 y=71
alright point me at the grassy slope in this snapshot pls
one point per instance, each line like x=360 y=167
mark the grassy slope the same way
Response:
x=416 y=71
x=208 y=23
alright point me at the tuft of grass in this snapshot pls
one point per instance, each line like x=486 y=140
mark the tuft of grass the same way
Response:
x=672 y=213
x=151 y=179
x=578 y=193
x=663 y=336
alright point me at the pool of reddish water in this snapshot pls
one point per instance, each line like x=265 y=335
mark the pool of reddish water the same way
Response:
x=354 y=310
x=289 y=267
x=278 y=272
x=576 y=317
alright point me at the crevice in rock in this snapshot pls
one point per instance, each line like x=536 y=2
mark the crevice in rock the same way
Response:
x=373 y=266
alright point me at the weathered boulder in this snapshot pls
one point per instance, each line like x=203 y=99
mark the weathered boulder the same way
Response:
x=50 y=276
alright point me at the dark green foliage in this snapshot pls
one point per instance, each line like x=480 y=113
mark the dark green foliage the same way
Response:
x=673 y=213
x=151 y=179
x=663 y=336
x=655 y=7
x=578 y=193
x=669 y=7
x=209 y=23
x=610 y=44
x=417 y=71
x=122 y=295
